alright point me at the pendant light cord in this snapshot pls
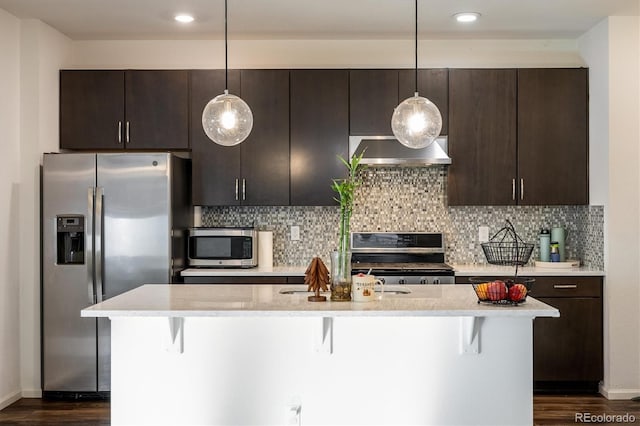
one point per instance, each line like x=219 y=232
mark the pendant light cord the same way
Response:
x=226 y=60
x=416 y=47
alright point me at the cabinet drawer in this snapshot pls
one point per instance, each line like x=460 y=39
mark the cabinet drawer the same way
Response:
x=567 y=287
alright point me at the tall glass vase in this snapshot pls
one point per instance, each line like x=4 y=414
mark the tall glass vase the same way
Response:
x=341 y=276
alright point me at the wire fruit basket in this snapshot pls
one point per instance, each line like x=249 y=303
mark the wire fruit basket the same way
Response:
x=502 y=291
x=507 y=248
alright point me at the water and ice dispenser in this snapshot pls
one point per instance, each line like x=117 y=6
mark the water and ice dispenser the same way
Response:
x=70 y=239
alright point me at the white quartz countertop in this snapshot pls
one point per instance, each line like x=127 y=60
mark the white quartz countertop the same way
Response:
x=529 y=271
x=462 y=270
x=259 y=271
x=182 y=300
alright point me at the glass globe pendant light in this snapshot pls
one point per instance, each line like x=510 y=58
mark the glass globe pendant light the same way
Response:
x=227 y=120
x=416 y=122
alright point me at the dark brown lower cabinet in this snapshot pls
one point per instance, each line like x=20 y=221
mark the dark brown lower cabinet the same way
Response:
x=567 y=351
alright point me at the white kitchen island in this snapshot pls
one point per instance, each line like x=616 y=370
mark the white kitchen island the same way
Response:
x=249 y=355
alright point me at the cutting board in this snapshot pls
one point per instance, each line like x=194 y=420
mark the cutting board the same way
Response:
x=567 y=264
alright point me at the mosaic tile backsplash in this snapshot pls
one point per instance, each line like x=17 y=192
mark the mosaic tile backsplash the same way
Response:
x=414 y=199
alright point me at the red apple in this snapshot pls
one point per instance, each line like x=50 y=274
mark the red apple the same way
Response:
x=497 y=290
x=517 y=292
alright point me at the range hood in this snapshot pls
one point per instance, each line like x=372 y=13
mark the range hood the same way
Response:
x=387 y=151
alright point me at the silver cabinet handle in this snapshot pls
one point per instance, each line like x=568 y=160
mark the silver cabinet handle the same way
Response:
x=565 y=286
x=236 y=189
x=244 y=189
x=126 y=138
x=119 y=131
x=91 y=198
x=98 y=241
x=521 y=188
x=513 y=189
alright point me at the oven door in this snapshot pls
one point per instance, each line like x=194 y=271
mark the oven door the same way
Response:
x=223 y=248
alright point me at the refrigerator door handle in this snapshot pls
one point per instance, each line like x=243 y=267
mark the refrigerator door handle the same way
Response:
x=91 y=198
x=99 y=216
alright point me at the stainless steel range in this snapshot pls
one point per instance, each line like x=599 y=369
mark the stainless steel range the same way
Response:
x=401 y=257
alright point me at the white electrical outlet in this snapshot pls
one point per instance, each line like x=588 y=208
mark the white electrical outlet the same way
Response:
x=483 y=234
x=295 y=233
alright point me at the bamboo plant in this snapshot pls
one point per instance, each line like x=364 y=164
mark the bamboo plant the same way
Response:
x=346 y=189
x=341 y=259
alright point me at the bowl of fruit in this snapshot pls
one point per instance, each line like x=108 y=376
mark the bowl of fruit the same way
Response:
x=502 y=291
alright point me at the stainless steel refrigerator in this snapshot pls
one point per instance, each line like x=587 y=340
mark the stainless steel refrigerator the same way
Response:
x=110 y=222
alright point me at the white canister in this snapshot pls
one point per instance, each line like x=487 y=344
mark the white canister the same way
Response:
x=265 y=249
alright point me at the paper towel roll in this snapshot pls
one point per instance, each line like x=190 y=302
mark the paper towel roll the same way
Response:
x=265 y=249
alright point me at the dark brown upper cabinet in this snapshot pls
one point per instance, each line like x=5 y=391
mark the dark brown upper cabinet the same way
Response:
x=91 y=109
x=553 y=136
x=265 y=153
x=132 y=109
x=518 y=137
x=373 y=95
x=255 y=172
x=482 y=137
x=319 y=133
x=215 y=169
x=433 y=84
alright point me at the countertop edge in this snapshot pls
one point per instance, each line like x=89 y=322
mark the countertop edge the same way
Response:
x=166 y=300
x=459 y=270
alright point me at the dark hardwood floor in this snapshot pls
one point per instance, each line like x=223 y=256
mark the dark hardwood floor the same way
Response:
x=547 y=410
x=36 y=411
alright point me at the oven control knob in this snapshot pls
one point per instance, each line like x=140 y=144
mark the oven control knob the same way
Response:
x=402 y=281
x=382 y=280
x=423 y=281
x=436 y=281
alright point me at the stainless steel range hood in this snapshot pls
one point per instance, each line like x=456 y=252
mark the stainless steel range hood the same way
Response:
x=387 y=151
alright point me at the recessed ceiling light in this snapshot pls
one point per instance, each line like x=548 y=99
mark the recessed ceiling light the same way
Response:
x=466 y=17
x=183 y=18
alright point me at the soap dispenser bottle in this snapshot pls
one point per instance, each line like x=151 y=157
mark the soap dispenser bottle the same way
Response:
x=545 y=245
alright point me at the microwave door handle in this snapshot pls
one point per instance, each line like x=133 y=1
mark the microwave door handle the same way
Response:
x=99 y=220
x=91 y=198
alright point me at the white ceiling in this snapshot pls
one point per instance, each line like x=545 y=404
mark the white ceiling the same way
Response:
x=318 y=19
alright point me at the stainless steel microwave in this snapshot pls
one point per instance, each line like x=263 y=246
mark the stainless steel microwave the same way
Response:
x=223 y=247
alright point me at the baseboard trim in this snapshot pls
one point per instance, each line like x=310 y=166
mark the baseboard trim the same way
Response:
x=617 y=394
x=32 y=393
x=7 y=401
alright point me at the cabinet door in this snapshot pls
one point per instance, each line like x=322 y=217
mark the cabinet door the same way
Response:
x=552 y=136
x=157 y=109
x=265 y=153
x=433 y=84
x=91 y=109
x=319 y=133
x=373 y=95
x=482 y=136
x=215 y=169
x=569 y=348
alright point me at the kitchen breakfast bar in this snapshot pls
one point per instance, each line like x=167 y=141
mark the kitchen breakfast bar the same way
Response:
x=264 y=355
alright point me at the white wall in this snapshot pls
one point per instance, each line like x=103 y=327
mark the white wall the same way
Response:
x=43 y=52
x=594 y=48
x=622 y=376
x=612 y=51
x=9 y=213
x=324 y=53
